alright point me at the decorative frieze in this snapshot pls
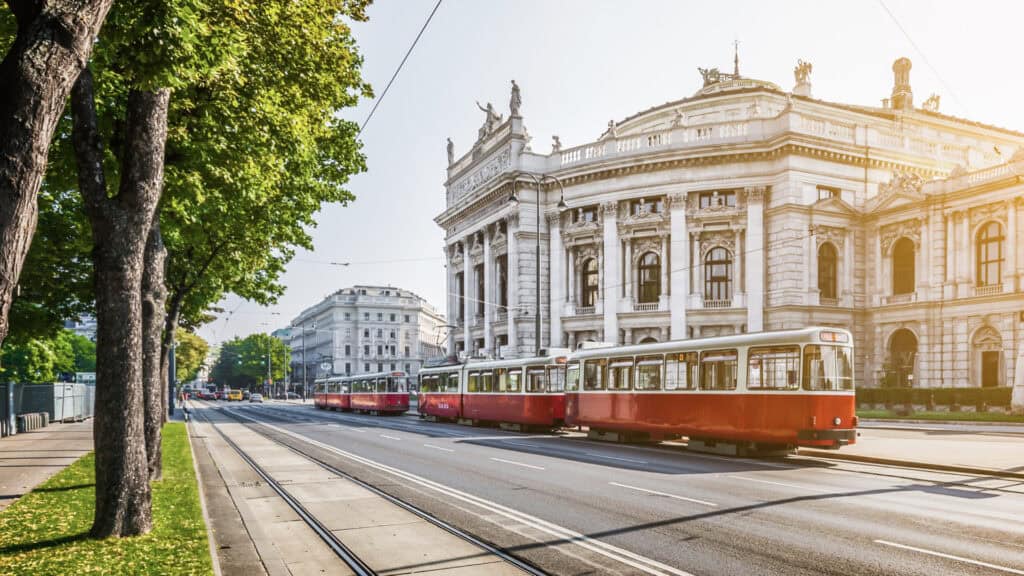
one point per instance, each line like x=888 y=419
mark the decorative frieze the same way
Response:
x=823 y=234
x=645 y=245
x=907 y=228
x=996 y=211
x=496 y=165
x=723 y=238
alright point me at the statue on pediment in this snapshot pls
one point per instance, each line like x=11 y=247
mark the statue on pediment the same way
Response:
x=491 y=122
x=802 y=71
x=451 y=152
x=903 y=182
x=515 y=101
x=679 y=119
x=710 y=75
x=556 y=143
x=931 y=104
x=611 y=131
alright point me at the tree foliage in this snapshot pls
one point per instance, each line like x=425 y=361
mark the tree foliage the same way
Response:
x=189 y=355
x=242 y=362
x=47 y=359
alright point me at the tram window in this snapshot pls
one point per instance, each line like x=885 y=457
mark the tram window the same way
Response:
x=556 y=378
x=648 y=373
x=593 y=374
x=395 y=384
x=453 y=382
x=487 y=382
x=428 y=383
x=500 y=379
x=344 y=388
x=620 y=372
x=515 y=377
x=572 y=377
x=536 y=380
x=828 y=368
x=773 y=368
x=473 y=384
x=718 y=370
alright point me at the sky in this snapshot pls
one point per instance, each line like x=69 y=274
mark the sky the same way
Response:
x=581 y=63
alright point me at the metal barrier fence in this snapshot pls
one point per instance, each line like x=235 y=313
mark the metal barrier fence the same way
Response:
x=63 y=401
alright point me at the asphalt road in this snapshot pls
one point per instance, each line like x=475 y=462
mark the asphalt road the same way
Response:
x=573 y=506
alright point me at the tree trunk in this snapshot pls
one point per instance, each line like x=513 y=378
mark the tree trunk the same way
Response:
x=52 y=46
x=154 y=297
x=170 y=326
x=120 y=229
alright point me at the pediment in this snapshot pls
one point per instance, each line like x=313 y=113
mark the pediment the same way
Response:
x=835 y=204
x=896 y=200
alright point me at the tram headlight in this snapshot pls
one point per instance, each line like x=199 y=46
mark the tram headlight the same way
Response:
x=837 y=420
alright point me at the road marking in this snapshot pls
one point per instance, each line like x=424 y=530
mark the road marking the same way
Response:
x=439 y=448
x=677 y=497
x=747 y=478
x=642 y=563
x=389 y=437
x=596 y=455
x=951 y=557
x=514 y=463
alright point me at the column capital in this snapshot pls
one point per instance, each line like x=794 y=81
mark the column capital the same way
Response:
x=755 y=193
x=610 y=209
x=677 y=200
x=554 y=218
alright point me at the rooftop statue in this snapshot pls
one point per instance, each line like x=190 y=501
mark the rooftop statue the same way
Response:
x=516 y=100
x=802 y=71
x=556 y=143
x=931 y=104
x=451 y=152
x=710 y=75
x=491 y=122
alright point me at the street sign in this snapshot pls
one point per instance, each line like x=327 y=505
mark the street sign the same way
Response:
x=325 y=366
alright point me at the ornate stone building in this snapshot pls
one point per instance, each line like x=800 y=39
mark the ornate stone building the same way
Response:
x=745 y=207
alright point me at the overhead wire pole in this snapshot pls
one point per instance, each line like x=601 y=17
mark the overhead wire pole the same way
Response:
x=399 y=69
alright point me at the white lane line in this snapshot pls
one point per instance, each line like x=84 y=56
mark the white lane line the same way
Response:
x=439 y=448
x=642 y=563
x=951 y=557
x=596 y=455
x=390 y=437
x=749 y=479
x=676 y=496
x=514 y=463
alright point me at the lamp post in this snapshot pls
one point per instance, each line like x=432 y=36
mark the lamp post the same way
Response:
x=514 y=200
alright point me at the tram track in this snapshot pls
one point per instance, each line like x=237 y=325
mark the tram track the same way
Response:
x=326 y=533
x=359 y=567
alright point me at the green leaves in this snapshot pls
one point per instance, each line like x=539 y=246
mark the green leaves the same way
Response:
x=189 y=355
x=44 y=359
x=243 y=362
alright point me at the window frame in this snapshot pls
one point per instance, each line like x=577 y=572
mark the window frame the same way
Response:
x=718 y=286
x=982 y=254
x=904 y=273
x=589 y=292
x=649 y=289
x=705 y=365
x=572 y=377
x=828 y=271
x=593 y=374
x=645 y=361
x=755 y=353
x=620 y=368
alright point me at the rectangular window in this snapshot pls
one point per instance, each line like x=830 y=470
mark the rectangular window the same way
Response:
x=348 y=368
x=407 y=367
x=827 y=192
x=380 y=332
x=348 y=316
x=366 y=367
x=718 y=370
x=620 y=371
x=380 y=367
x=572 y=378
x=380 y=350
x=366 y=351
x=392 y=366
x=380 y=316
x=348 y=350
x=392 y=334
x=406 y=351
x=515 y=377
x=501 y=380
x=473 y=384
x=648 y=373
x=828 y=368
x=718 y=199
x=478 y=275
x=392 y=349
x=487 y=381
x=407 y=319
x=593 y=374
x=681 y=371
x=366 y=333
x=556 y=379
x=773 y=368
x=536 y=379
x=501 y=262
x=452 y=384
x=366 y=315
x=393 y=317
x=585 y=214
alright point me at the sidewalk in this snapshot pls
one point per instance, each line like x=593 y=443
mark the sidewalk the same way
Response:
x=969 y=451
x=30 y=458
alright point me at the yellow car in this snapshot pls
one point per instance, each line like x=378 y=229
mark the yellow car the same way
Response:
x=235 y=395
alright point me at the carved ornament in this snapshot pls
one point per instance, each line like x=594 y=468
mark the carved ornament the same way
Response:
x=902 y=182
x=490 y=169
x=892 y=232
x=996 y=211
x=584 y=253
x=822 y=234
x=724 y=239
x=645 y=245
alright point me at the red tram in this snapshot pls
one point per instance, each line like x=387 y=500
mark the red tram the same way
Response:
x=765 y=390
x=521 y=392
x=378 y=393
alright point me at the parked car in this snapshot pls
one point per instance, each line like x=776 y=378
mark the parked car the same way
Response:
x=256 y=397
x=219 y=395
x=293 y=396
x=245 y=394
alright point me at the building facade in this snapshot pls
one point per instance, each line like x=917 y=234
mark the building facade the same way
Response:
x=365 y=329
x=744 y=208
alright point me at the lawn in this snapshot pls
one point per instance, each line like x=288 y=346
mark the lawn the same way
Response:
x=46 y=531
x=947 y=416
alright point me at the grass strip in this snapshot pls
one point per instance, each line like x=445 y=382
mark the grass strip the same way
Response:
x=47 y=530
x=946 y=416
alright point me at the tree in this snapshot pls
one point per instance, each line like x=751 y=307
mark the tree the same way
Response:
x=47 y=359
x=243 y=362
x=51 y=46
x=189 y=355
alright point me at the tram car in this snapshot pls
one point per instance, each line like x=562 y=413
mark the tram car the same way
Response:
x=332 y=394
x=379 y=393
x=525 y=392
x=760 y=391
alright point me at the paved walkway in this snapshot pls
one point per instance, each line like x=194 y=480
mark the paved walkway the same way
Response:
x=942 y=447
x=30 y=458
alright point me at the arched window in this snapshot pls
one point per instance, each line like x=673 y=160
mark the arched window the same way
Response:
x=718 y=275
x=990 y=254
x=649 y=277
x=902 y=353
x=588 y=283
x=827 y=270
x=903 y=266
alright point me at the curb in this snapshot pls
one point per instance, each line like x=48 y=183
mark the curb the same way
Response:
x=214 y=560
x=940 y=422
x=909 y=464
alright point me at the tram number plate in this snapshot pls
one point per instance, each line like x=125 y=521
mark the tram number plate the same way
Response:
x=444 y=406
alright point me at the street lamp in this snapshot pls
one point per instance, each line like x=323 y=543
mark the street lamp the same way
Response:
x=562 y=206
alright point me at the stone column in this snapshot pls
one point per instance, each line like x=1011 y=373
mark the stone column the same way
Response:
x=737 y=269
x=512 y=226
x=1010 y=274
x=696 y=266
x=755 y=258
x=628 y=280
x=571 y=272
x=924 y=276
x=488 y=289
x=963 y=244
x=679 y=264
x=556 y=280
x=813 y=293
x=879 y=288
x=949 y=287
x=663 y=295
x=467 y=302
x=627 y=337
x=453 y=299
x=610 y=265
x=1017 y=213
x=848 y=264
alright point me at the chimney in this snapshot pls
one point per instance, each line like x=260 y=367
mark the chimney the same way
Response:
x=902 y=95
